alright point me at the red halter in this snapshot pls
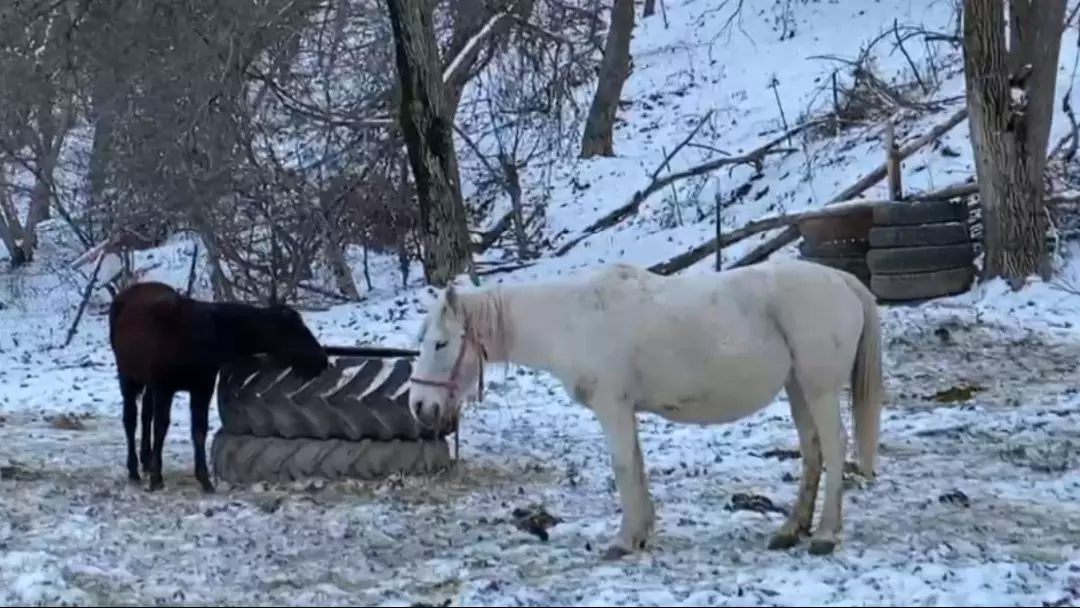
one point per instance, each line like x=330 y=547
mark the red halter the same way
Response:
x=451 y=384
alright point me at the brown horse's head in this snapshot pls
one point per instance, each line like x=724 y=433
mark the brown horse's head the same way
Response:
x=291 y=344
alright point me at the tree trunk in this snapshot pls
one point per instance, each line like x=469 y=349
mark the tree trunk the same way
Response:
x=513 y=188
x=1019 y=20
x=339 y=266
x=100 y=216
x=334 y=244
x=614 y=70
x=1009 y=138
x=9 y=228
x=428 y=133
x=1040 y=27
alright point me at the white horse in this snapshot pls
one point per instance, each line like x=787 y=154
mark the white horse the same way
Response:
x=706 y=349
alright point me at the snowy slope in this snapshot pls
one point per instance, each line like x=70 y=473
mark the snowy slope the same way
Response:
x=976 y=503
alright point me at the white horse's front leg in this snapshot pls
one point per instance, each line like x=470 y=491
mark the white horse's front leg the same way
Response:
x=620 y=428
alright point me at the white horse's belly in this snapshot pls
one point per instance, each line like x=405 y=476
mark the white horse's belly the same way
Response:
x=732 y=389
x=716 y=407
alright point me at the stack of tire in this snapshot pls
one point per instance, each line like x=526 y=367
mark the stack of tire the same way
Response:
x=840 y=241
x=907 y=251
x=352 y=422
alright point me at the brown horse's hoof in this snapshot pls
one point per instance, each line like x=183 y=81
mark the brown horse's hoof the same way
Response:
x=134 y=478
x=208 y=488
x=155 y=485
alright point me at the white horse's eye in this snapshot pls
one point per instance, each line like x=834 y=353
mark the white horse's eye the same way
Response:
x=441 y=345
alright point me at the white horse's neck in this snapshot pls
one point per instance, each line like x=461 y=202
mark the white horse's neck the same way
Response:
x=533 y=319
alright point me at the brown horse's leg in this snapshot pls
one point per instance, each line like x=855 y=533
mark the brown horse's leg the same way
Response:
x=129 y=391
x=162 y=398
x=200 y=425
x=145 y=451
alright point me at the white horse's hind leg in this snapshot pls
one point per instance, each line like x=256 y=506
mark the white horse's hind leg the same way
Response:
x=825 y=410
x=620 y=428
x=802 y=513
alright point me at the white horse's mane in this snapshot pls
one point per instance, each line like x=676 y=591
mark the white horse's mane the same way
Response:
x=485 y=314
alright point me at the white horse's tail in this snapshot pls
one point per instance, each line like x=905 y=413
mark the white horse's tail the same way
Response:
x=867 y=383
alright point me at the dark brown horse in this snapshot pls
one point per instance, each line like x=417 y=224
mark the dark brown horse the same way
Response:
x=165 y=343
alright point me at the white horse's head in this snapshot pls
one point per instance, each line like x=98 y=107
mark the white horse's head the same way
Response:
x=450 y=364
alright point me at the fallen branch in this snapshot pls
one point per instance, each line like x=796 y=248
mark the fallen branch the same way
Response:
x=657 y=183
x=191 y=269
x=493 y=269
x=488 y=238
x=95 y=252
x=325 y=292
x=631 y=208
x=89 y=289
x=966 y=188
x=772 y=245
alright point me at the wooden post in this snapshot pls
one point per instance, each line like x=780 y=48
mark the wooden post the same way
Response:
x=719 y=232
x=892 y=163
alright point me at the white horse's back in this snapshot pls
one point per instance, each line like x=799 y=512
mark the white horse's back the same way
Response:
x=712 y=348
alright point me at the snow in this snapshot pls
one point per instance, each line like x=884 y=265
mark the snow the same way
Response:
x=977 y=503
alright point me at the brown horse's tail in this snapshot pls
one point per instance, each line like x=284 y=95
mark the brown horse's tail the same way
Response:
x=867 y=382
x=115 y=308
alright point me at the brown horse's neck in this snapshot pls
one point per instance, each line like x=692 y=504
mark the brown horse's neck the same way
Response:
x=238 y=329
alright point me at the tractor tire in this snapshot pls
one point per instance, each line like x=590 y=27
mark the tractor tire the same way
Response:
x=357 y=398
x=920 y=212
x=855 y=264
x=852 y=225
x=245 y=459
x=922 y=285
x=830 y=249
x=903 y=260
x=920 y=235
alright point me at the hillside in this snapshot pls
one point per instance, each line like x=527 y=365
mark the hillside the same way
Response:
x=976 y=504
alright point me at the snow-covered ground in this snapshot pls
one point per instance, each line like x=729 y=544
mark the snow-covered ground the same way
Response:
x=976 y=503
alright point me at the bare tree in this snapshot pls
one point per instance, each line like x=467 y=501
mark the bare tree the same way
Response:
x=34 y=52
x=428 y=131
x=187 y=107
x=614 y=70
x=1010 y=117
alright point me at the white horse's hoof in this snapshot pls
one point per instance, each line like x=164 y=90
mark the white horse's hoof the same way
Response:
x=822 y=546
x=614 y=553
x=782 y=541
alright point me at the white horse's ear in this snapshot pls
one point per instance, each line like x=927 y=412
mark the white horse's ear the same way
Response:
x=451 y=299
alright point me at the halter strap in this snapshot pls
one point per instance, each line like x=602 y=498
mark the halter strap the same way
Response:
x=451 y=384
